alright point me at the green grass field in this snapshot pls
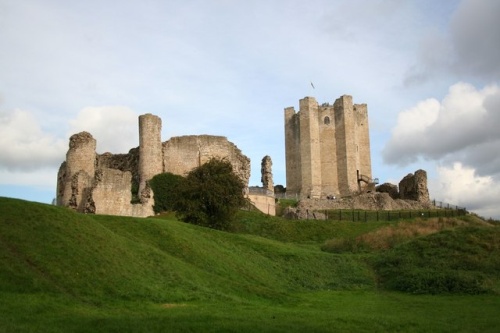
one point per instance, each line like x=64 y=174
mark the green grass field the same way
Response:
x=66 y=272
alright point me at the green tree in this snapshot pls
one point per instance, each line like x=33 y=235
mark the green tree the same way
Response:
x=211 y=195
x=165 y=189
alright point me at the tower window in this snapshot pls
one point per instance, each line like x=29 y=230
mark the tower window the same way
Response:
x=327 y=120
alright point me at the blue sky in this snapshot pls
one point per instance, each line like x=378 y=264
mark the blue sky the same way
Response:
x=428 y=70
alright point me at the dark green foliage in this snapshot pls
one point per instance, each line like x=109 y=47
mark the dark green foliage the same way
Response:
x=211 y=195
x=165 y=189
x=463 y=260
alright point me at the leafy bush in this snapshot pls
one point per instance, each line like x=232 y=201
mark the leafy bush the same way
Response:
x=165 y=188
x=211 y=195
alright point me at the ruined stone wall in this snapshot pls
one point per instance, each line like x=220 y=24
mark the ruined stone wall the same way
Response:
x=124 y=162
x=117 y=184
x=184 y=153
x=390 y=189
x=111 y=195
x=414 y=187
x=327 y=148
x=265 y=204
x=267 y=173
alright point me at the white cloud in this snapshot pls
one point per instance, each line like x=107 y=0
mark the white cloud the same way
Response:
x=461 y=135
x=461 y=185
x=23 y=144
x=462 y=124
x=115 y=128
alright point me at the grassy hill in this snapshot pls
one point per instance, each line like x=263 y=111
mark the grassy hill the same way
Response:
x=61 y=271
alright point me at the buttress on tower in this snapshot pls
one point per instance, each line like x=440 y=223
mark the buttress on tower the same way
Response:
x=327 y=149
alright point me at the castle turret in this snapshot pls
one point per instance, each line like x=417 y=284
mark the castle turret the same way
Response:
x=362 y=130
x=310 y=148
x=75 y=178
x=292 y=152
x=346 y=144
x=150 y=148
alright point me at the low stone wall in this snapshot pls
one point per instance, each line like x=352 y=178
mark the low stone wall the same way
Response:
x=366 y=201
x=264 y=203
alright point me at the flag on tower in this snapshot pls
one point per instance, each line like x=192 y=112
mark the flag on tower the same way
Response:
x=312 y=85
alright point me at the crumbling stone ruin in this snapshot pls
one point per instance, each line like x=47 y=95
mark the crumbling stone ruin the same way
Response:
x=389 y=188
x=327 y=149
x=414 y=187
x=412 y=195
x=411 y=187
x=117 y=184
x=267 y=173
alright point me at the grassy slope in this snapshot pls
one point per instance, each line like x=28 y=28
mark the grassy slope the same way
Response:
x=62 y=271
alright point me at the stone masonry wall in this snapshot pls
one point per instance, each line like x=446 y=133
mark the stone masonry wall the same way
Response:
x=183 y=153
x=111 y=195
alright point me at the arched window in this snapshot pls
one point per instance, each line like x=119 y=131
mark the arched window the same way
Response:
x=327 y=120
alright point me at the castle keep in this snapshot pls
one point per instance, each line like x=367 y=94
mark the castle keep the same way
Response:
x=327 y=149
x=117 y=184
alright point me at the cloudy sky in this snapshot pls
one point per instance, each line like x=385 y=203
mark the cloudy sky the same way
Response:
x=428 y=70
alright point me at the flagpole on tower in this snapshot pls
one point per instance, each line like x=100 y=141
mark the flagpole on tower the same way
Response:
x=312 y=88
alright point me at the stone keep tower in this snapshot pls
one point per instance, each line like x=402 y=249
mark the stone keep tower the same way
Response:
x=327 y=148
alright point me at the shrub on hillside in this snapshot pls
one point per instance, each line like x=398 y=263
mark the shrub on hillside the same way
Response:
x=165 y=188
x=388 y=237
x=211 y=195
x=463 y=260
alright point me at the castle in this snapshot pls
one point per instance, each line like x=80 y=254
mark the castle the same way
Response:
x=327 y=155
x=117 y=184
x=327 y=149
